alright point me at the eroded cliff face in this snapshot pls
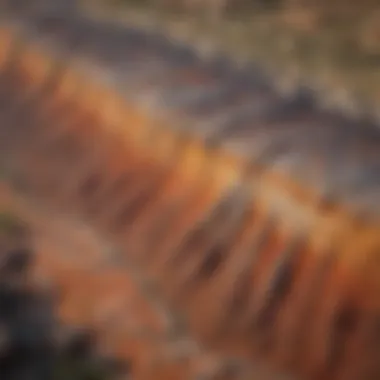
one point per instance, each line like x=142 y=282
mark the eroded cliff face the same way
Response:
x=38 y=340
x=222 y=226
x=100 y=318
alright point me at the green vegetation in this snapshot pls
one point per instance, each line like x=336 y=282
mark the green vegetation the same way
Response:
x=11 y=225
x=66 y=369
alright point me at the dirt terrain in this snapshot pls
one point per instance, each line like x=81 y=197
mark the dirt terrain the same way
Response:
x=190 y=215
x=39 y=340
x=103 y=297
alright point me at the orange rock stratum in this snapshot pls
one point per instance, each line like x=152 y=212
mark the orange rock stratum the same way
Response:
x=246 y=223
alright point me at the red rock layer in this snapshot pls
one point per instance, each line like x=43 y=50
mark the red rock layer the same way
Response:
x=258 y=261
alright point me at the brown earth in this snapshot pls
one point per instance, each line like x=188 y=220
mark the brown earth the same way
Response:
x=100 y=290
x=97 y=291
